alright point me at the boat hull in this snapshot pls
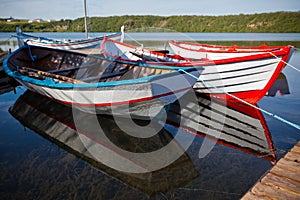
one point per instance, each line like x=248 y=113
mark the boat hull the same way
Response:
x=141 y=100
x=214 y=52
x=99 y=85
x=245 y=75
x=249 y=80
x=68 y=44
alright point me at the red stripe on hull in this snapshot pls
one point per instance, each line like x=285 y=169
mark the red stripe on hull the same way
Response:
x=108 y=104
x=255 y=95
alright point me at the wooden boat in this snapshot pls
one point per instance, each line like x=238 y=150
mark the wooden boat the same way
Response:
x=244 y=77
x=248 y=78
x=120 y=50
x=96 y=84
x=65 y=44
x=235 y=125
x=104 y=148
x=193 y=50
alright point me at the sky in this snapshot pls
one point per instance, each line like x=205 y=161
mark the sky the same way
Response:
x=72 y=9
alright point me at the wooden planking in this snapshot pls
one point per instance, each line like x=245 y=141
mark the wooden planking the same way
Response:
x=296 y=149
x=282 y=181
x=270 y=192
x=286 y=172
x=292 y=165
x=251 y=196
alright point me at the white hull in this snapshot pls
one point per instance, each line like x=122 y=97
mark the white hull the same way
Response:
x=193 y=52
x=237 y=77
x=245 y=72
x=70 y=45
x=140 y=100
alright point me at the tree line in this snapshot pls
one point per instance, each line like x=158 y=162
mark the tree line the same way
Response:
x=277 y=22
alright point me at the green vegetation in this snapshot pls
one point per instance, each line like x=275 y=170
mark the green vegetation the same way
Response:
x=283 y=22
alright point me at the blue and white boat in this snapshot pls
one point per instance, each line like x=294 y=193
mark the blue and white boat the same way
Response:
x=97 y=84
x=65 y=44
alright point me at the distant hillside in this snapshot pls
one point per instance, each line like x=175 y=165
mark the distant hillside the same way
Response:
x=278 y=22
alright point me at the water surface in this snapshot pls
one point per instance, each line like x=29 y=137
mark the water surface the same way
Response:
x=46 y=154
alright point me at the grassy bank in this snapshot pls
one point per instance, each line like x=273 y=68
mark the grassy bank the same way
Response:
x=278 y=22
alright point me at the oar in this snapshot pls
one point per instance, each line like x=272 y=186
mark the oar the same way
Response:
x=49 y=75
x=144 y=57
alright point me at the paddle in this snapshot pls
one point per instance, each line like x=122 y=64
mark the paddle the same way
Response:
x=42 y=74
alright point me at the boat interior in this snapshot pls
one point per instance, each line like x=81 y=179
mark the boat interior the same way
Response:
x=73 y=67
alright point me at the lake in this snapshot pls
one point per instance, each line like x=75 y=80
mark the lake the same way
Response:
x=50 y=151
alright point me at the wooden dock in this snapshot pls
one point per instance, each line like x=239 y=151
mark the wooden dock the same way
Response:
x=282 y=181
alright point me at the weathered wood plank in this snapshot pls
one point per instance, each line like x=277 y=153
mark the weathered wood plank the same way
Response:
x=296 y=149
x=289 y=164
x=293 y=156
x=284 y=172
x=283 y=183
x=270 y=192
x=251 y=196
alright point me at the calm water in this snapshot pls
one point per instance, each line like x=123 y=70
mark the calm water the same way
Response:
x=44 y=157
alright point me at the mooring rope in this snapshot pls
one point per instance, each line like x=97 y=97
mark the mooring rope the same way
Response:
x=288 y=64
x=245 y=102
x=296 y=48
x=133 y=39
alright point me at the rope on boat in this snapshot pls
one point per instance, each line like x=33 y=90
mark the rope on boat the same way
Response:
x=245 y=102
x=30 y=54
x=134 y=39
x=288 y=64
x=296 y=48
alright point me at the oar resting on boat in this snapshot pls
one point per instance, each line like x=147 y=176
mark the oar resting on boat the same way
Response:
x=41 y=74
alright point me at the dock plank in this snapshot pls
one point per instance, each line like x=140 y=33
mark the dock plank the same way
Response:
x=293 y=157
x=251 y=196
x=291 y=165
x=285 y=172
x=270 y=192
x=296 y=149
x=282 y=181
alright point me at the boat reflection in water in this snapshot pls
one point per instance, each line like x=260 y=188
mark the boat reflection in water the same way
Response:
x=56 y=122
x=235 y=125
x=7 y=84
x=280 y=85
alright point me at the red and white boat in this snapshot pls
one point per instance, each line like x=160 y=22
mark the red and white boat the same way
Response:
x=193 y=50
x=246 y=77
x=121 y=50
